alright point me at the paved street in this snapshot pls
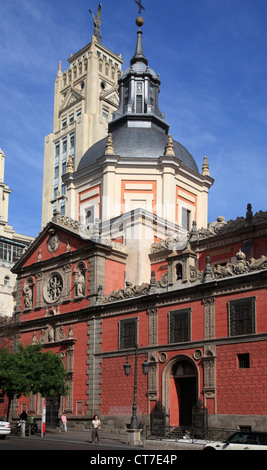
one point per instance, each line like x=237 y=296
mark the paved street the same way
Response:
x=112 y=451
x=72 y=440
x=17 y=443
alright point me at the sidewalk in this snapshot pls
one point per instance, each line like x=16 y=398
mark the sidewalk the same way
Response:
x=112 y=439
x=116 y=440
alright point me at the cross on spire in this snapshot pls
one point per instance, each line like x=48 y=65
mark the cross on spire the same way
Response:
x=139 y=3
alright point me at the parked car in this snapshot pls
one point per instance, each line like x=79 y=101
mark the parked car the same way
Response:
x=4 y=428
x=241 y=441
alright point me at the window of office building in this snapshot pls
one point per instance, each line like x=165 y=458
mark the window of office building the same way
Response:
x=57 y=148
x=72 y=143
x=64 y=147
x=10 y=252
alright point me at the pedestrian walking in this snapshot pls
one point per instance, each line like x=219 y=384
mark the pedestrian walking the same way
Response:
x=96 y=427
x=63 y=423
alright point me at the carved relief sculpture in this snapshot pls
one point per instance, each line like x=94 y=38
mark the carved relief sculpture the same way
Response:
x=53 y=243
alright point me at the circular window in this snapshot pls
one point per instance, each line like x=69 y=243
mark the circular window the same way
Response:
x=53 y=287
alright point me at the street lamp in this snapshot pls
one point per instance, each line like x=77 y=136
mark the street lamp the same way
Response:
x=127 y=371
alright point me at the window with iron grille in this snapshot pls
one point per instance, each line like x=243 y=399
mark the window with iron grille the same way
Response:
x=243 y=361
x=128 y=333
x=180 y=326
x=242 y=316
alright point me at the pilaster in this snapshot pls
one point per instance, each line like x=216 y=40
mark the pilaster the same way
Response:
x=94 y=366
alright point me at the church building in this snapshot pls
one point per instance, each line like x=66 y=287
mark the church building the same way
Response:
x=132 y=269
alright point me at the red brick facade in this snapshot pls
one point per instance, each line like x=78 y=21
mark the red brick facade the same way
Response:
x=185 y=328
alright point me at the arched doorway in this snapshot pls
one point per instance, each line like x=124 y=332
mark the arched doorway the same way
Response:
x=180 y=390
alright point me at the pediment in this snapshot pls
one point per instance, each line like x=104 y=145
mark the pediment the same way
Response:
x=73 y=97
x=110 y=96
x=53 y=241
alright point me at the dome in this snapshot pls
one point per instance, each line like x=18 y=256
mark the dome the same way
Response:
x=139 y=130
x=137 y=143
x=140 y=68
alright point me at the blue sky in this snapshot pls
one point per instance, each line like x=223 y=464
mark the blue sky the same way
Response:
x=212 y=59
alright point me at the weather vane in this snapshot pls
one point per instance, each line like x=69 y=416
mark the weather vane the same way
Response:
x=139 y=3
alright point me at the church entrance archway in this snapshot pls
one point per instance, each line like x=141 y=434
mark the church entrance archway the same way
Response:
x=181 y=390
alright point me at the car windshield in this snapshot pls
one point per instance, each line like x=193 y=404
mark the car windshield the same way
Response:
x=243 y=438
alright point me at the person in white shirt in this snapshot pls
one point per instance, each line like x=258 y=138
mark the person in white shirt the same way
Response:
x=96 y=423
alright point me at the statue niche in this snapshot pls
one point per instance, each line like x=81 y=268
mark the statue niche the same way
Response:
x=179 y=271
x=79 y=280
x=180 y=264
x=28 y=290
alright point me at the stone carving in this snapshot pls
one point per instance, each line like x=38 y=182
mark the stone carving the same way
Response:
x=34 y=341
x=221 y=226
x=50 y=312
x=53 y=243
x=27 y=296
x=43 y=336
x=163 y=282
x=79 y=284
x=87 y=232
x=97 y=23
x=130 y=291
x=51 y=334
x=112 y=244
x=61 y=334
x=194 y=274
x=174 y=241
x=28 y=293
x=53 y=287
x=70 y=332
x=240 y=267
x=258 y=264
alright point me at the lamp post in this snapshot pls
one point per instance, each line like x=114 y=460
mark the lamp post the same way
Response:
x=127 y=371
